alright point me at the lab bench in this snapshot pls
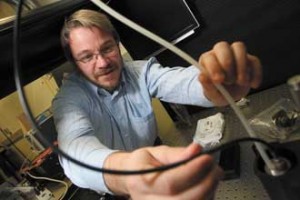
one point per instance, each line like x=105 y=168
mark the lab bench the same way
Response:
x=246 y=185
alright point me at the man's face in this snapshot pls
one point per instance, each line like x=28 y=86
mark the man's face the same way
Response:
x=97 y=56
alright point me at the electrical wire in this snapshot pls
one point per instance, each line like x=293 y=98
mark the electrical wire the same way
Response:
x=52 y=180
x=24 y=103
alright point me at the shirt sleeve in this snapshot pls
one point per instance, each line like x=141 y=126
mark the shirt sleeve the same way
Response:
x=77 y=139
x=175 y=84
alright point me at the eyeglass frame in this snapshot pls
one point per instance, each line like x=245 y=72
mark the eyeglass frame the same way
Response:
x=105 y=52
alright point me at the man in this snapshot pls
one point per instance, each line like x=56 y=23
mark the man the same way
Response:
x=104 y=117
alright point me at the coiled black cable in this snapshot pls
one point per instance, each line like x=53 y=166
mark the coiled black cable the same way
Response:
x=24 y=103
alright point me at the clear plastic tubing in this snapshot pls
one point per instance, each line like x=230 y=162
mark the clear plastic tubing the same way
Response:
x=192 y=61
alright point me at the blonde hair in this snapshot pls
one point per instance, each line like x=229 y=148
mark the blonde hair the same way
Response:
x=85 y=18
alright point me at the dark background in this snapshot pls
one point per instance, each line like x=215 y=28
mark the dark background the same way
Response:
x=270 y=29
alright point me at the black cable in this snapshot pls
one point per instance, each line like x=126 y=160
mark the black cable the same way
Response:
x=23 y=99
x=24 y=103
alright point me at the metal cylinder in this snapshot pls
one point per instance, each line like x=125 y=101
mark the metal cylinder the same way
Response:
x=294 y=87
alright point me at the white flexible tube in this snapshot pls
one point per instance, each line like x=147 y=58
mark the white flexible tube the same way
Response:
x=190 y=60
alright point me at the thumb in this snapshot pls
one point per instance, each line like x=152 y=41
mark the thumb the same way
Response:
x=167 y=155
x=190 y=151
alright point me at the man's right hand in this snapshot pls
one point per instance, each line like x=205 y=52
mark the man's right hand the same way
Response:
x=198 y=179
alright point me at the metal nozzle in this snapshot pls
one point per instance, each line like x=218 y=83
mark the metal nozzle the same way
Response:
x=281 y=166
x=294 y=86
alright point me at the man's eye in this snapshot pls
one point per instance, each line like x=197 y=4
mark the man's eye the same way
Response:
x=107 y=49
x=86 y=58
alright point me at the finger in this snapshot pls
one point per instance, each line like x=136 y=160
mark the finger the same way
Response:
x=210 y=91
x=240 y=54
x=175 y=180
x=191 y=150
x=212 y=69
x=202 y=190
x=167 y=155
x=225 y=57
x=206 y=188
x=187 y=175
x=256 y=73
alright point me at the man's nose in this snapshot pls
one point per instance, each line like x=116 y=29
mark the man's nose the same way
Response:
x=101 y=61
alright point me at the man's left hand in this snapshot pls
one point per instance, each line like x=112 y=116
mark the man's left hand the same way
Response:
x=231 y=66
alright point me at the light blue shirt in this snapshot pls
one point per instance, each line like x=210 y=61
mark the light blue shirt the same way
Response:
x=92 y=123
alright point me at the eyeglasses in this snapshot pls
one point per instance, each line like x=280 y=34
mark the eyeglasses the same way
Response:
x=105 y=52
